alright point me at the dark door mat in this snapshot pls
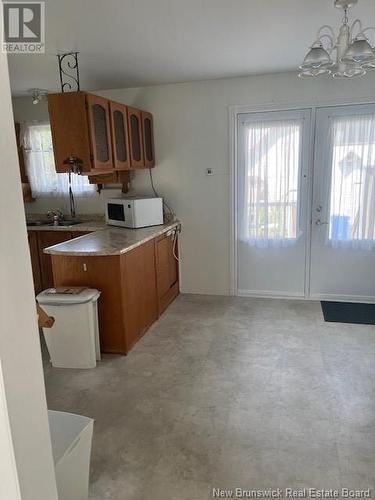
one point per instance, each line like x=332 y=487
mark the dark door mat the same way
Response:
x=348 y=312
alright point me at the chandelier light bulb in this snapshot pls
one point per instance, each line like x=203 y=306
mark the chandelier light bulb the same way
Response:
x=316 y=57
x=309 y=73
x=359 y=51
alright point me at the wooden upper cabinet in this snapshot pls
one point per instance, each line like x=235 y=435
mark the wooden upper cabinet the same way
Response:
x=100 y=133
x=135 y=138
x=148 y=139
x=120 y=135
x=70 y=131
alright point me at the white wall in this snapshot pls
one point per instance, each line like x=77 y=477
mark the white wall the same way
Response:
x=9 y=485
x=23 y=404
x=191 y=134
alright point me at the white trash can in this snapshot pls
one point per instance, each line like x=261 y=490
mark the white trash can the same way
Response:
x=71 y=437
x=73 y=340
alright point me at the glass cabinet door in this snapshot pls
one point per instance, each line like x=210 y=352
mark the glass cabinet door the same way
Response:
x=148 y=139
x=135 y=138
x=99 y=125
x=120 y=136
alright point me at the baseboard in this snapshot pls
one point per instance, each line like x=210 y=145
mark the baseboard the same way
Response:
x=265 y=294
x=343 y=298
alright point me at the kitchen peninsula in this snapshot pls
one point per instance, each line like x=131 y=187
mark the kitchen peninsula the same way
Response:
x=136 y=271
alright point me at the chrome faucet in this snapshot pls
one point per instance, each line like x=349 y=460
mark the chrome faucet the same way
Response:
x=56 y=215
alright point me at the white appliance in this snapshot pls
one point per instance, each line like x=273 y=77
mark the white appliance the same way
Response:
x=134 y=212
x=73 y=340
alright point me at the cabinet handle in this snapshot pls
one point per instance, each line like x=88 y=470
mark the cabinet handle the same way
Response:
x=84 y=267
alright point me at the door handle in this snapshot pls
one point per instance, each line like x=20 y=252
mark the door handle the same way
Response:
x=321 y=223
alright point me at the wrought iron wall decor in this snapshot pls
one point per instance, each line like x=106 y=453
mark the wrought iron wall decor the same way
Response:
x=69 y=80
x=69 y=71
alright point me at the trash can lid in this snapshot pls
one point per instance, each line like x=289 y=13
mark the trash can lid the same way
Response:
x=67 y=295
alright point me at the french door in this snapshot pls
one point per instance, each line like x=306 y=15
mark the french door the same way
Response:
x=305 y=210
x=272 y=202
x=343 y=208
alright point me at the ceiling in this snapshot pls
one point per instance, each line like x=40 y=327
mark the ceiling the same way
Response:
x=127 y=43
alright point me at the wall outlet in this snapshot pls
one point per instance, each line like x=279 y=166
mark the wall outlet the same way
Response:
x=209 y=171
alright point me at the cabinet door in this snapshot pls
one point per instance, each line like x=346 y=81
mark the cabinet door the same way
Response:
x=139 y=291
x=34 y=255
x=47 y=239
x=100 y=132
x=102 y=273
x=148 y=139
x=166 y=270
x=135 y=138
x=70 y=130
x=120 y=135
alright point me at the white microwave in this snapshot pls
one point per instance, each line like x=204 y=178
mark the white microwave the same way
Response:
x=134 y=212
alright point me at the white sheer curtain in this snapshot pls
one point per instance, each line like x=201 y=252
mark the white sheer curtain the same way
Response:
x=269 y=198
x=352 y=190
x=45 y=182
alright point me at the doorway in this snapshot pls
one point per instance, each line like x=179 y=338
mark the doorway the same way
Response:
x=305 y=203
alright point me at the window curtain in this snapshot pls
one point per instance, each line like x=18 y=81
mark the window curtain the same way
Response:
x=268 y=196
x=352 y=190
x=40 y=166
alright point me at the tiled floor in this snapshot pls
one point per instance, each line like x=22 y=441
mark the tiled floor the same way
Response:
x=229 y=392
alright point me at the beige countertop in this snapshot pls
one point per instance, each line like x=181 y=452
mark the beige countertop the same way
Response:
x=109 y=241
x=93 y=225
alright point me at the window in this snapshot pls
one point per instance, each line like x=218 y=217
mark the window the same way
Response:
x=272 y=160
x=40 y=166
x=352 y=193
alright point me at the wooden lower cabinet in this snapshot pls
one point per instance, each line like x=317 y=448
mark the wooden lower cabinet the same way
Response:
x=47 y=239
x=132 y=289
x=166 y=269
x=139 y=291
x=128 y=301
x=41 y=263
x=35 y=265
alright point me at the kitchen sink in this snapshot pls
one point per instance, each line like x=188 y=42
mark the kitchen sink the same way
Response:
x=66 y=222
x=46 y=222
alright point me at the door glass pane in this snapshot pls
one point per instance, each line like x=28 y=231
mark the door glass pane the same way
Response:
x=100 y=130
x=118 y=120
x=352 y=191
x=134 y=133
x=271 y=183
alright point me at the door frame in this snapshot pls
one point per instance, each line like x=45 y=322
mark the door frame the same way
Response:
x=233 y=112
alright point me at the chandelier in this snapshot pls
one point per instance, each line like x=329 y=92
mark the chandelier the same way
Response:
x=354 y=53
